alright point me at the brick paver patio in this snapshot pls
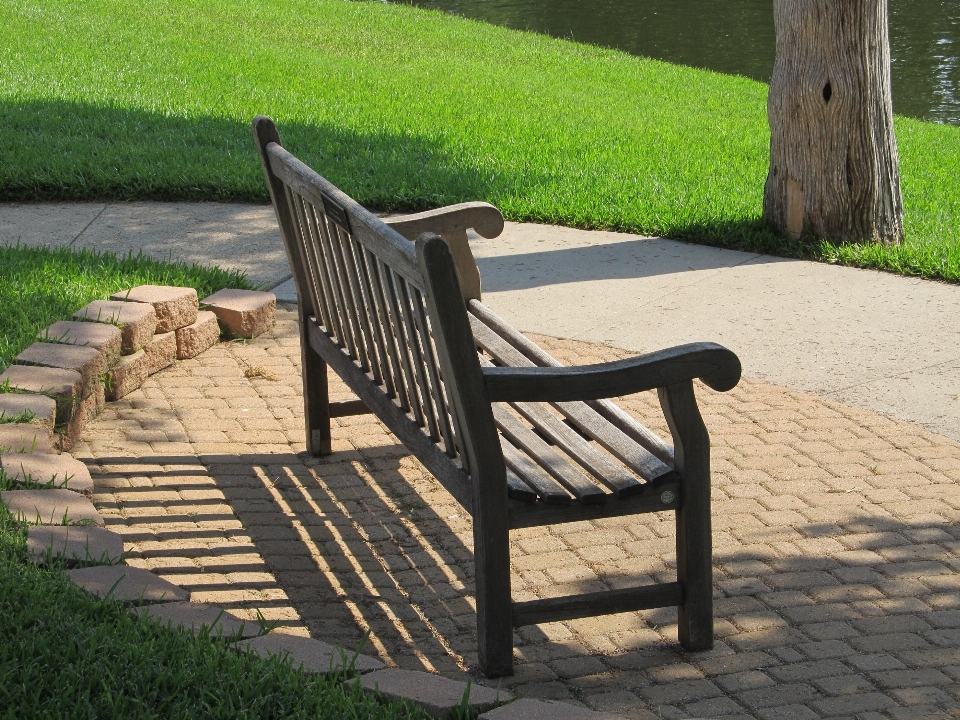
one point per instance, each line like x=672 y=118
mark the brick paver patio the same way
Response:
x=835 y=532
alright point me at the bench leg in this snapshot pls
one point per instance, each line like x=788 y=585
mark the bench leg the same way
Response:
x=694 y=542
x=494 y=617
x=316 y=397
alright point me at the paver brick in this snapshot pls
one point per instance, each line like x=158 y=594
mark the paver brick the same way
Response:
x=312 y=655
x=201 y=335
x=74 y=544
x=105 y=338
x=137 y=321
x=175 y=307
x=63 y=386
x=529 y=709
x=127 y=375
x=87 y=361
x=25 y=438
x=129 y=585
x=244 y=313
x=43 y=408
x=59 y=471
x=438 y=696
x=50 y=507
x=197 y=617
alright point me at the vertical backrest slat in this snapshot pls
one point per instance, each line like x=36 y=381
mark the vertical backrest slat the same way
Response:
x=362 y=304
x=377 y=317
x=326 y=310
x=335 y=265
x=300 y=240
x=418 y=360
x=403 y=344
x=433 y=373
x=327 y=274
x=341 y=246
x=382 y=287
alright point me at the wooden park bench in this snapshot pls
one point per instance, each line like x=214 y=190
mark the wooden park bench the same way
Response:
x=517 y=439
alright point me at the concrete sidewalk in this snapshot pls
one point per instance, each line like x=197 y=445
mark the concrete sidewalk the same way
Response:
x=873 y=340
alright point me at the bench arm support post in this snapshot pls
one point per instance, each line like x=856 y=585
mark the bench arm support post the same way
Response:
x=691 y=447
x=451 y=223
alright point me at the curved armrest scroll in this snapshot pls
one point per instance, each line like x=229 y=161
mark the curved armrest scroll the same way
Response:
x=483 y=217
x=718 y=367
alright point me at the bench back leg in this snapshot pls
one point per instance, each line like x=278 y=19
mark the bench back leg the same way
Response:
x=691 y=447
x=316 y=397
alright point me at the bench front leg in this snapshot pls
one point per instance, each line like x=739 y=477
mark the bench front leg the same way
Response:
x=691 y=448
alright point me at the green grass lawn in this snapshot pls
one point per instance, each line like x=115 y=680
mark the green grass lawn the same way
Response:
x=39 y=286
x=409 y=109
x=64 y=654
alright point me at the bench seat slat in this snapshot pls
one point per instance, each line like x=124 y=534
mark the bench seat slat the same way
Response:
x=517 y=489
x=548 y=457
x=549 y=490
x=614 y=440
x=539 y=357
x=614 y=476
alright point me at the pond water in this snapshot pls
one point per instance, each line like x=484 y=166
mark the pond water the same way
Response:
x=737 y=37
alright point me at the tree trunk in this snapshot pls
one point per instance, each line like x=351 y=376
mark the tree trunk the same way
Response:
x=834 y=168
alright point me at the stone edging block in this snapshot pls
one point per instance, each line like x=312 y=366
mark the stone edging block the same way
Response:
x=105 y=338
x=62 y=471
x=175 y=307
x=62 y=385
x=312 y=655
x=45 y=408
x=25 y=438
x=161 y=352
x=73 y=543
x=87 y=361
x=50 y=507
x=194 y=339
x=83 y=412
x=194 y=616
x=127 y=375
x=129 y=585
x=137 y=321
x=244 y=313
x=527 y=709
x=435 y=694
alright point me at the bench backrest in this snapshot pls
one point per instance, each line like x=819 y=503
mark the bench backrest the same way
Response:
x=363 y=283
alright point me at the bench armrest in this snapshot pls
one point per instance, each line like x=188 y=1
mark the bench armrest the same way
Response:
x=451 y=224
x=718 y=367
x=483 y=217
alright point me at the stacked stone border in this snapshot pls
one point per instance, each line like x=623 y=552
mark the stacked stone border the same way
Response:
x=103 y=354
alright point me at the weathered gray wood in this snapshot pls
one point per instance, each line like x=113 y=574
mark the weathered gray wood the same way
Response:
x=517 y=489
x=433 y=458
x=348 y=408
x=549 y=490
x=691 y=445
x=557 y=609
x=433 y=374
x=403 y=344
x=649 y=440
x=377 y=316
x=654 y=497
x=716 y=366
x=380 y=278
x=364 y=306
x=550 y=459
x=588 y=420
x=461 y=374
x=416 y=352
x=340 y=242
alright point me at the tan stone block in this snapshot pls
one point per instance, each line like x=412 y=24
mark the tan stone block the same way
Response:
x=194 y=617
x=87 y=361
x=161 y=351
x=75 y=544
x=105 y=338
x=137 y=321
x=176 y=307
x=60 y=471
x=312 y=655
x=62 y=385
x=129 y=585
x=127 y=375
x=83 y=413
x=194 y=339
x=25 y=438
x=244 y=313
x=44 y=408
x=50 y=507
x=438 y=696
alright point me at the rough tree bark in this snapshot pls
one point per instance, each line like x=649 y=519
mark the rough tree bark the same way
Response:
x=834 y=169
